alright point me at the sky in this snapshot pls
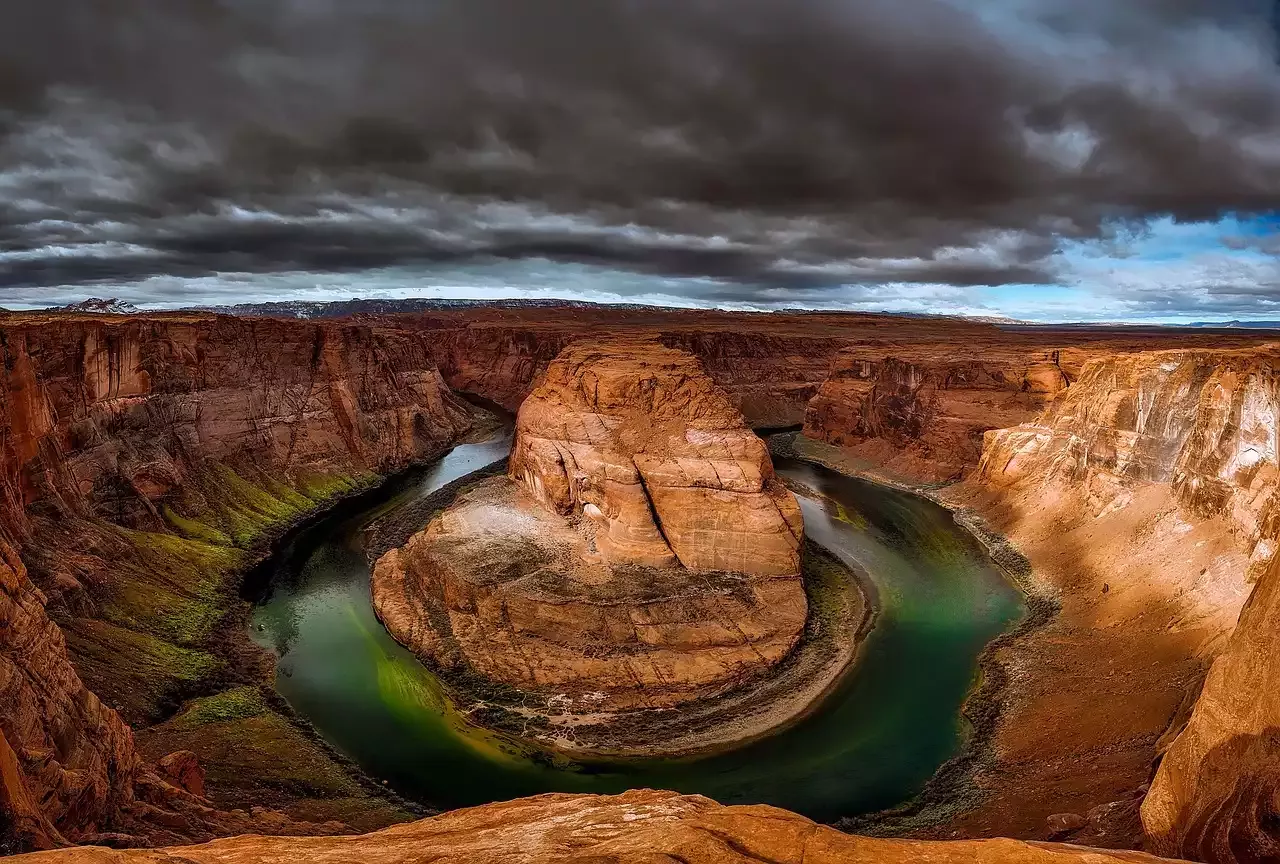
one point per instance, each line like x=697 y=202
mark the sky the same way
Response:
x=1050 y=160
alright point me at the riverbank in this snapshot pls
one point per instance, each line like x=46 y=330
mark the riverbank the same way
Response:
x=255 y=749
x=1071 y=711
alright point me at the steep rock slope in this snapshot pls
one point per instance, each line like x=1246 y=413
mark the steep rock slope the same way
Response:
x=1143 y=497
x=143 y=461
x=640 y=827
x=638 y=439
x=1216 y=796
x=1204 y=423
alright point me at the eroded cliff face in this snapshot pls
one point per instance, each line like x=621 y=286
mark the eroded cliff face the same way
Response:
x=144 y=461
x=639 y=440
x=769 y=376
x=1144 y=497
x=1204 y=423
x=640 y=827
x=921 y=413
x=1216 y=796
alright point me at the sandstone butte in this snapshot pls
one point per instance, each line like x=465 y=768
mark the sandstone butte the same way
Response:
x=639 y=827
x=644 y=555
x=151 y=457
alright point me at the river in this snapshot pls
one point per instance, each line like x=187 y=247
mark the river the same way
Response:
x=873 y=743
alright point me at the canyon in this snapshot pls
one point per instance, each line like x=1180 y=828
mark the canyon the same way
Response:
x=149 y=460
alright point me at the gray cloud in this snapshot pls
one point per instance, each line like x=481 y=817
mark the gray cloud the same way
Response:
x=799 y=145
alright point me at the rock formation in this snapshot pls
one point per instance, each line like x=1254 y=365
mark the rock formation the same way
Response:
x=142 y=461
x=500 y=585
x=1144 y=496
x=639 y=440
x=1204 y=423
x=645 y=555
x=640 y=827
x=1216 y=797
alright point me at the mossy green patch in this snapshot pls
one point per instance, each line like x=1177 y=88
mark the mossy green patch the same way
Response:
x=136 y=672
x=238 y=704
x=256 y=757
x=194 y=529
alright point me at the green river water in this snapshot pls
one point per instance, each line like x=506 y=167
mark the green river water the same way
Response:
x=873 y=743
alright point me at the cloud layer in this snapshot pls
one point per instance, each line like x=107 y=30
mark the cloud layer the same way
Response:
x=825 y=148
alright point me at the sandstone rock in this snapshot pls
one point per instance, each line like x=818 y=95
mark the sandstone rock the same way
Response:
x=111 y=423
x=1065 y=823
x=1216 y=796
x=640 y=827
x=638 y=439
x=923 y=414
x=183 y=769
x=1202 y=422
x=501 y=585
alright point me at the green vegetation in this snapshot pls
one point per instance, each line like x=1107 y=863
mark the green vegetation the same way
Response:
x=136 y=672
x=238 y=704
x=257 y=757
x=170 y=591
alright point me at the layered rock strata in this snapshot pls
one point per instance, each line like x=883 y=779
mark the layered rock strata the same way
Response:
x=640 y=827
x=143 y=461
x=922 y=414
x=641 y=554
x=638 y=440
x=500 y=585
x=1144 y=497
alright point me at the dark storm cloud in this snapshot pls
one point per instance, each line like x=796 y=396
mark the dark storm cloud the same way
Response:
x=801 y=144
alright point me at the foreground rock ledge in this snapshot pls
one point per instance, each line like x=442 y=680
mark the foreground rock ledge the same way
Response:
x=638 y=827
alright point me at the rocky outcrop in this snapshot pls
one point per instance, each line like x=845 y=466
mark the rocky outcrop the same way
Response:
x=634 y=828
x=142 y=462
x=1205 y=423
x=1144 y=497
x=641 y=553
x=1216 y=797
x=922 y=413
x=499 y=585
x=638 y=440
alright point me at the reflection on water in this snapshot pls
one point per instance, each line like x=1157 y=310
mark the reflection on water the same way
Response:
x=873 y=743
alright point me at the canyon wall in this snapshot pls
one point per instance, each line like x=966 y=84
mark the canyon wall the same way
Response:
x=1144 y=497
x=143 y=462
x=921 y=412
x=640 y=827
x=770 y=372
x=1204 y=423
x=1216 y=796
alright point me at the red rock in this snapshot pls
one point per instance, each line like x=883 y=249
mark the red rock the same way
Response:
x=638 y=827
x=183 y=769
x=639 y=439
